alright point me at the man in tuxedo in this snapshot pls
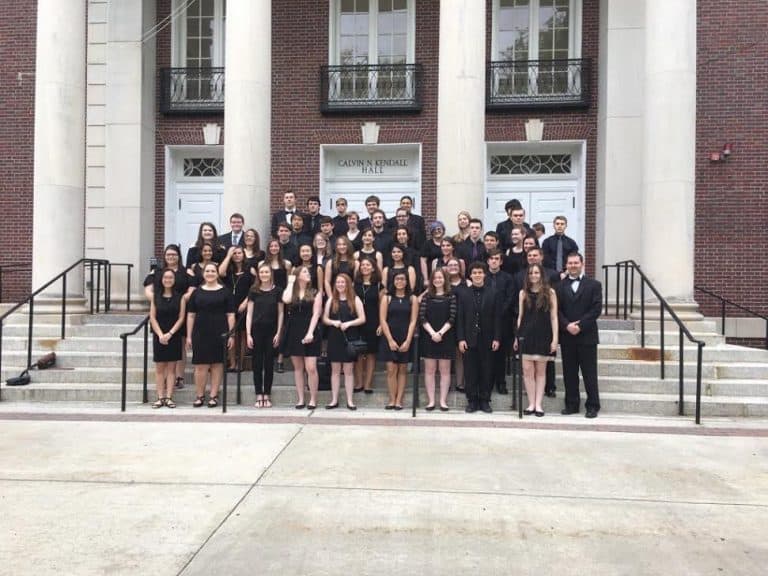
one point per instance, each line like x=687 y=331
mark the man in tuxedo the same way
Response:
x=312 y=216
x=340 y=225
x=235 y=236
x=472 y=249
x=504 y=286
x=558 y=246
x=372 y=204
x=515 y=217
x=286 y=214
x=478 y=330
x=580 y=303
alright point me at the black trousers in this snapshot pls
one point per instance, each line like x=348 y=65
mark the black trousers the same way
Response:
x=478 y=373
x=582 y=358
x=550 y=385
x=263 y=358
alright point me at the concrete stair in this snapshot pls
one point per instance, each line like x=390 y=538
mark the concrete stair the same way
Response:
x=734 y=379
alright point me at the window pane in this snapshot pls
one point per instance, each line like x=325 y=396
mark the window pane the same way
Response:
x=347 y=5
x=362 y=5
x=513 y=33
x=400 y=4
x=206 y=7
x=192 y=50
x=385 y=23
x=361 y=46
x=385 y=6
x=400 y=45
x=361 y=24
x=385 y=46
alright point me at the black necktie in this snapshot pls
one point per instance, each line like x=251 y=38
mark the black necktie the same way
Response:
x=559 y=255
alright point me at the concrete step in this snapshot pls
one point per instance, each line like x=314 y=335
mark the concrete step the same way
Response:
x=82 y=330
x=726 y=388
x=718 y=353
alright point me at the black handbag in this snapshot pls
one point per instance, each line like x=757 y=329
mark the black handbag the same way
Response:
x=356 y=346
x=21 y=380
x=323 y=373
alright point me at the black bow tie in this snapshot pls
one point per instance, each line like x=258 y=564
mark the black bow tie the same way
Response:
x=572 y=279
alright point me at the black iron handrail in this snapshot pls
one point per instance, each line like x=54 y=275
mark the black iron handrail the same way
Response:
x=239 y=322
x=102 y=267
x=516 y=84
x=124 y=372
x=364 y=87
x=726 y=302
x=12 y=268
x=628 y=307
x=191 y=90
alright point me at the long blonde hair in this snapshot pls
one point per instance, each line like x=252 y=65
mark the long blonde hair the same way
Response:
x=349 y=293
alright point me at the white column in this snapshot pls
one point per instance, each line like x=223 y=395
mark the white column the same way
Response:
x=247 y=112
x=129 y=200
x=59 y=165
x=461 y=110
x=620 y=132
x=670 y=144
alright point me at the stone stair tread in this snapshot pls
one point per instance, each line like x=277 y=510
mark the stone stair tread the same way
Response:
x=688 y=398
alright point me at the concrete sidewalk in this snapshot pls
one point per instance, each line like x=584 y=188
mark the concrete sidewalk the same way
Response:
x=183 y=493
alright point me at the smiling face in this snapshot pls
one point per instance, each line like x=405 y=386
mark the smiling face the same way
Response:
x=462 y=221
x=206 y=253
x=236 y=224
x=453 y=267
x=171 y=258
x=534 y=275
x=303 y=275
x=438 y=280
x=341 y=247
x=397 y=255
x=169 y=279
x=320 y=241
x=341 y=285
x=528 y=244
x=516 y=236
x=207 y=232
x=407 y=205
x=366 y=268
x=446 y=248
x=367 y=237
x=402 y=236
x=574 y=265
x=305 y=253
x=273 y=247
x=250 y=238
x=477 y=276
x=534 y=256
x=211 y=273
x=399 y=281
x=265 y=275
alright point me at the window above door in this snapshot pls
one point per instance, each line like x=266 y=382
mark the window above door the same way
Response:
x=371 y=60
x=536 y=55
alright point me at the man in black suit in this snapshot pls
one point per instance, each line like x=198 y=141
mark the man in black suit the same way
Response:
x=287 y=246
x=472 y=248
x=286 y=214
x=372 y=204
x=504 y=286
x=515 y=217
x=580 y=303
x=235 y=236
x=415 y=223
x=312 y=216
x=558 y=246
x=478 y=330
x=382 y=237
x=340 y=225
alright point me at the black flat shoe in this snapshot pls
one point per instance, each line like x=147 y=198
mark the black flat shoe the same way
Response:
x=311 y=406
x=351 y=407
x=568 y=411
x=397 y=407
x=356 y=390
x=331 y=406
x=590 y=414
x=550 y=394
x=368 y=391
x=539 y=413
x=389 y=407
x=444 y=408
x=429 y=408
x=528 y=412
x=300 y=406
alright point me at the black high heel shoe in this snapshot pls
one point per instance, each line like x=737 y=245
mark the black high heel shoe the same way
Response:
x=528 y=412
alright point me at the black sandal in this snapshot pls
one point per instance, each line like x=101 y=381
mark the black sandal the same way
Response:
x=169 y=403
x=199 y=400
x=179 y=383
x=159 y=403
x=213 y=401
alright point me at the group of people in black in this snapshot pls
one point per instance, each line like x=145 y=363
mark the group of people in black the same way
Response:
x=351 y=290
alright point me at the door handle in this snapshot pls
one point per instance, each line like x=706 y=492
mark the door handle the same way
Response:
x=179 y=203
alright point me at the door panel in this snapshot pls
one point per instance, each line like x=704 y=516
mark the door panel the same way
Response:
x=356 y=193
x=195 y=207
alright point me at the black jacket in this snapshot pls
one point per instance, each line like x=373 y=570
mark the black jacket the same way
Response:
x=340 y=225
x=278 y=218
x=549 y=250
x=490 y=317
x=464 y=251
x=504 y=228
x=416 y=228
x=226 y=240
x=504 y=284
x=585 y=306
x=312 y=223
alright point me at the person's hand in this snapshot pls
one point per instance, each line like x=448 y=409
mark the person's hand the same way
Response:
x=275 y=341
x=393 y=346
x=249 y=341
x=495 y=345
x=308 y=338
x=437 y=337
x=343 y=326
x=553 y=347
x=515 y=345
x=463 y=346
x=189 y=342
x=230 y=250
x=230 y=342
x=378 y=331
x=404 y=346
x=573 y=328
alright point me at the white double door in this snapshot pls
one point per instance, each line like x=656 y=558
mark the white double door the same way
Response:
x=196 y=203
x=542 y=201
x=356 y=192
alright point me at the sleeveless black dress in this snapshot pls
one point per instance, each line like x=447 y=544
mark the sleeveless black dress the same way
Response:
x=398 y=318
x=167 y=314
x=210 y=308
x=369 y=296
x=337 y=344
x=536 y=328
x=299 y=317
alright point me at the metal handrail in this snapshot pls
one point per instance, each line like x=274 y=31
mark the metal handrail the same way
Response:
x=95 y=303
x=124 y=373
x=13 y=267
x=725 y=301
x=628 y=306
x=240 y=320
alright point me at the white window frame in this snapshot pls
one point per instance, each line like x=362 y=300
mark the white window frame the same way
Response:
x=179 y=35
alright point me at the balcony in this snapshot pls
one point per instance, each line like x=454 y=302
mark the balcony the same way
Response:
x=529 y=84
x=192 y=90
x=367 y=88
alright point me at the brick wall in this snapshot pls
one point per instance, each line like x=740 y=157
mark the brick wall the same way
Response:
x=562 y=125
x=731 y=198
x=17 y=98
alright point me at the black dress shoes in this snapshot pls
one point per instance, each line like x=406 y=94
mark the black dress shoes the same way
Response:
x=501 y=388
x=550 y=393
x=568 y=411
x=471 y=407
x=485 y=406
x=591 y=414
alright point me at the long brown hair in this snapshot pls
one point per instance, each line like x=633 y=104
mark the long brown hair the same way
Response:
x=277 y=257
x=542 y=297
x=256 y=286
x=257 y=243
x=446 y=282
x=349 y=293
x=350 y=252
x=309 y=291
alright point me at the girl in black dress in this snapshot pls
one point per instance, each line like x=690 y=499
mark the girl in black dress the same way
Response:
x=353 y=232
x=398 y=264
x=322 y=248
x=456 y=282
x=195 y=270
x=166 y=317
x=437 y=316
x=236 y=276
x=447 y=252
x=252 y=248
x=210 y=313
x=343 y=313
x=206 y=233
x=342 y=263
x=368 y=289
x=304 y=305
x=307 y=258
x=263 y=325
x=537 y=326
x=432 y=248
x=367 y=250
x=281 y=269
x=397 y=313
x=515 y=259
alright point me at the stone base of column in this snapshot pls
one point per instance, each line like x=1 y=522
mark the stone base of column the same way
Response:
x=687 y=311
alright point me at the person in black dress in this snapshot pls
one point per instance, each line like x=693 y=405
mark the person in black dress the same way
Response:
x=206 y=233
x=195 y=270
x=252 y=248
x=343 y=262
x=304 y=305
x=537 y=334
x=437 y=316
x=368 y=289
x=368 y=250
x=307 y=258
x=353 y=232
x=322 y=249
x=398 y=264
x=166 y=317
x=515 y=257
x=210 y=313
x=264 y=325
x=237 y=277
x=431 y=249
x=343 y=314
x=457 y=283
x=398 y=312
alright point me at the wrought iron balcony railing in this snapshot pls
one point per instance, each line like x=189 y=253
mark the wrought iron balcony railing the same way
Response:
x=538 y=84
x=191 y=90
x=386 y=87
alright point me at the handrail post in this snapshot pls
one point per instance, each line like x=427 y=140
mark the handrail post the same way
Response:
x=698 y=382
x=29 y=330
x=123 y=372
x=91 y=285
x=224 y=377
x=144 y=394
x=632 y=292
x=128 y=289
x=605 y=287
x=107 y=286
x=63 y=305
x=520 y=378
x=416 y=369
x=661 y=335
x=642 y=312
x=681 y=383
x=722 y=317
x=626 y=287
x=238 y=364
x=618 y=284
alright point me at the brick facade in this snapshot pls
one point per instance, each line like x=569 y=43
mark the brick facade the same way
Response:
x=17 y=118
x=731 y=198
